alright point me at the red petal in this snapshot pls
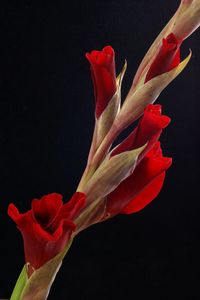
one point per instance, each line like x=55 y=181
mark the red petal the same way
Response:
x=109 y=50
x=152 y=165
x=168 y=57
x=103 y=75
x=73 y=207
x=47 y=208
x=13 y=212
x=40 y=246
x=148 y=130
x=43 y=241
x=149 y=193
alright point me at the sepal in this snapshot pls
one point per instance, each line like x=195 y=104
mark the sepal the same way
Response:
x=38 y=285
x=107 y=117
x=111 y=173
x=189 y=20
x=136 y=102
x=20 y=284
x=170 y=27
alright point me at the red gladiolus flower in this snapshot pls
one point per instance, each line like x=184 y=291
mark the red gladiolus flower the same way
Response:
x=104 y=76
x=139 y=189
x=148 y=131
x=47 y=227
x=168 y=57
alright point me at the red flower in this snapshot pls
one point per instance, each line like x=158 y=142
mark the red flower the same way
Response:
x=168 y=57
x=47 y=227
x=139 y=189
x=148 y=131
x=104 y=76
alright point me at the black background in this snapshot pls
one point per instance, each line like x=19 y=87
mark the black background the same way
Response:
x=46 y=123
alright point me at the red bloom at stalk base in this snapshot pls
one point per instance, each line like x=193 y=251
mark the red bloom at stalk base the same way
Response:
x=47 y=227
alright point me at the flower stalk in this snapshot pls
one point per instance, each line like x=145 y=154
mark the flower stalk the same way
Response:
x=123 y=180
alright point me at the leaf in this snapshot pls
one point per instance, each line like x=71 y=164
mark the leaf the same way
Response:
x=20 y=284
x=91 y=215
x=38 y=285
x=105 y=121
x=135 y=103
x=111 y=173
x=121 y=76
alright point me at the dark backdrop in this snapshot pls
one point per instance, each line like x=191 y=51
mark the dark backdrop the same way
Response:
x=46 y=123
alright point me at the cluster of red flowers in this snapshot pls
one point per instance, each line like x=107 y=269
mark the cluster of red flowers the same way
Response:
x=47 y=227
x=119 y=180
